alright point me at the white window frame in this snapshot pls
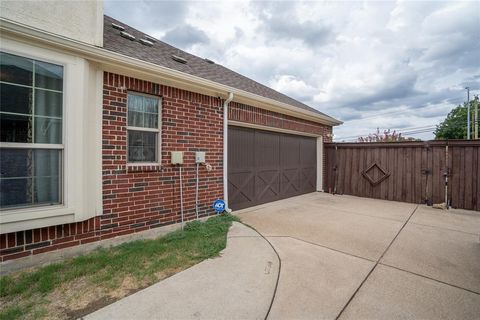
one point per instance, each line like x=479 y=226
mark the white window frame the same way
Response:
x=81 y=142
x=43 y=146
x=156 y=130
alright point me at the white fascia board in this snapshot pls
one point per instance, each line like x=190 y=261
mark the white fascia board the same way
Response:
x=114 y=59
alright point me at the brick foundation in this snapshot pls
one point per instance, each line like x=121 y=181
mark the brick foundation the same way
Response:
x=138 y=198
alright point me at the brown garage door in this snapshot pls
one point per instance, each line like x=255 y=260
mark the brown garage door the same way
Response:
x=265 y=166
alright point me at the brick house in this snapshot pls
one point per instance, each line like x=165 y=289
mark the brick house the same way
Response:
x=92 y=111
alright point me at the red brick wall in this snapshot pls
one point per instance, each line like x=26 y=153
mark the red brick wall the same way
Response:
x=141 y=198
x=24 y=243
x=249 y=114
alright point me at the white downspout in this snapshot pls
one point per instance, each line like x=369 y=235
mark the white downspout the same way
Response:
x=225 y=149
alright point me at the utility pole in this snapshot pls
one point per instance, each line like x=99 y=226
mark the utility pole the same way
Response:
x=468 y=112
x=475 y=114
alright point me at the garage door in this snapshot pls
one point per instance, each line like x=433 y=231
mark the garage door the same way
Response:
x=265 y=166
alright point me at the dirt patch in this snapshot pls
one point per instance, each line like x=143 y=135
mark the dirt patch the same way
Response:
x=129 y=286
x=89 y=308
x=75 y=295
x=82 y=297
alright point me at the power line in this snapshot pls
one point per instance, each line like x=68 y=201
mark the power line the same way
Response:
x=385 y=114
x=396 y=130
x=457 y=122
x=397 y=112
x=410 y=132
x=410 y=109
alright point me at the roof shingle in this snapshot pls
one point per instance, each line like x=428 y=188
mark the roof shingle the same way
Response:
x=160 y=53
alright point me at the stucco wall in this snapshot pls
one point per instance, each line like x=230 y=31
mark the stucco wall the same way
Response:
x=79 y=20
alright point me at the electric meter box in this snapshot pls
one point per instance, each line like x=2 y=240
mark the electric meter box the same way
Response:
x=200 y=157
x=177 y=157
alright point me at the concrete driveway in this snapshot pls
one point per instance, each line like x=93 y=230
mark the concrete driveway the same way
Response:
x=355 y=258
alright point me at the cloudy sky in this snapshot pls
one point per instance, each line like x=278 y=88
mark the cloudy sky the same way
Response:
x=390 y=65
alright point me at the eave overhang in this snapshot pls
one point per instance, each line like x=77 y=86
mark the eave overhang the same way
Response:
x=115 y=62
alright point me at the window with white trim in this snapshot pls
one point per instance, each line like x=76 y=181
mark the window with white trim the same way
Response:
x=143 y=127
x=31 y=132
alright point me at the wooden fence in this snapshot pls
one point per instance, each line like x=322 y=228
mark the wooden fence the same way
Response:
x=413 y=172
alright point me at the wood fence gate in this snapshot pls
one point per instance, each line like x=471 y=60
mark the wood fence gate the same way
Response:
x=413 y=172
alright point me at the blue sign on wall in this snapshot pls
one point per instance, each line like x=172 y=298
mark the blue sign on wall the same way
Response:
x=219 y=206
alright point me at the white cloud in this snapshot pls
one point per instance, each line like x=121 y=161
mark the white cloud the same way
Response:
x=294 y=87
x=372 y=64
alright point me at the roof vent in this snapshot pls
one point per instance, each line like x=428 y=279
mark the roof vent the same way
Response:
x=127 y=35
x=150 y=38
x=179 y=59
x=146 y=42
x=117 y=26
x=209 y=61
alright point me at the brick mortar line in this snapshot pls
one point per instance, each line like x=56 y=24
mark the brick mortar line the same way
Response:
x=376 y=264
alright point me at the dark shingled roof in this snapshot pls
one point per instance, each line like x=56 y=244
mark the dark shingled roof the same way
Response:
x=160 y=53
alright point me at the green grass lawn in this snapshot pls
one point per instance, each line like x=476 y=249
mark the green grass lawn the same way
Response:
x=78 y=286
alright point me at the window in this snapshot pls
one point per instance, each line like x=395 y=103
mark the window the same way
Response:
x=31 y=132
x=143 y=128
x=50 y=137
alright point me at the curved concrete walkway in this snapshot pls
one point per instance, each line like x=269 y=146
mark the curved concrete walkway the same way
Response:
x=238 y=285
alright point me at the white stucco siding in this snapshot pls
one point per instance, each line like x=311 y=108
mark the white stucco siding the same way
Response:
x=78 y=20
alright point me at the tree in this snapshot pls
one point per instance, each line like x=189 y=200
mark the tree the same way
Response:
x=455 y=124
x=386 y=136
